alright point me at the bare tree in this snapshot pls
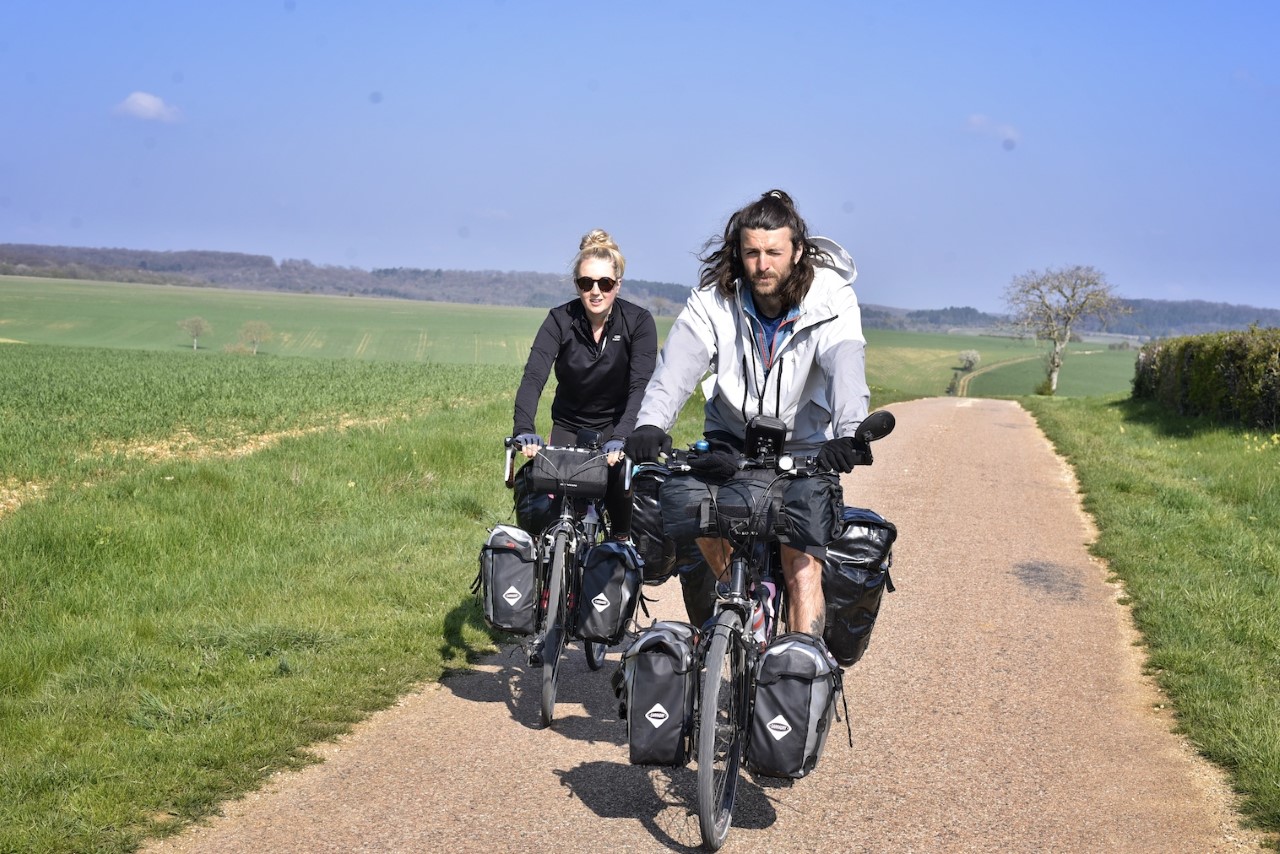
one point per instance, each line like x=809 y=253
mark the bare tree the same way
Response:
x=255 y=333
x=1049 y=304
x=195 y=327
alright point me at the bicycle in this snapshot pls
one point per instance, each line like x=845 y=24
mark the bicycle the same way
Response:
x=578 y=476
x=731 y=648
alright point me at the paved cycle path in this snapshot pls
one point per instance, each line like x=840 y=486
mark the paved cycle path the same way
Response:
x=1000 y=708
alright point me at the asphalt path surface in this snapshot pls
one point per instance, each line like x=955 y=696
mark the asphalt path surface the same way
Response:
x=1001 y=707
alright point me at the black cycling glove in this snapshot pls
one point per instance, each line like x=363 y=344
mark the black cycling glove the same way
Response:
x=843 y=453
x=647 y=442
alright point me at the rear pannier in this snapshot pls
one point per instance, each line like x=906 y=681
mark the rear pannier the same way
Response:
x=610 y=588
x=656 y=684
x=794 y=705
x=855 y=575
x=508 y=581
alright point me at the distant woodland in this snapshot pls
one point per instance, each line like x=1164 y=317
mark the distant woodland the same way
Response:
x=197 y=268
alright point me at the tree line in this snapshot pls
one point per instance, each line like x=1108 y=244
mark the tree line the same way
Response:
x=199 y=268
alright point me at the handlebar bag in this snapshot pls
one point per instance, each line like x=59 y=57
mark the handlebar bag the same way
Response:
x=609 y=592
x=508 y=581
x=579 y=472
x=795 y=694
x=855 y=575
x=655 y=685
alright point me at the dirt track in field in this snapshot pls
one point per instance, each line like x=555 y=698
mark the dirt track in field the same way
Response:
x=1001 y=707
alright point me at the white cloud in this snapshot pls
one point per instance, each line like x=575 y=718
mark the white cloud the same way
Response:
x=148 y=107
x=1006 y=133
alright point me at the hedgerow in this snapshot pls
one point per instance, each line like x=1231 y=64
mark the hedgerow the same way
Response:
x=1230 y=377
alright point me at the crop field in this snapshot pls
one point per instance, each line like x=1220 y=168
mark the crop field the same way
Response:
x=146 y=317
x=1087 y=371
x=921 y=364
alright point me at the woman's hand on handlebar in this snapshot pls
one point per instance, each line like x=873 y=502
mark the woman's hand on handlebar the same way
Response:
x=529 y=444
x=613 y=450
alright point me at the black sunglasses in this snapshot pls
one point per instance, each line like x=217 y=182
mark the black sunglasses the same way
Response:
x=585 y=284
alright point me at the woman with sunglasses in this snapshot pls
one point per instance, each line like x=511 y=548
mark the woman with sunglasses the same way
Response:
x=603 y=349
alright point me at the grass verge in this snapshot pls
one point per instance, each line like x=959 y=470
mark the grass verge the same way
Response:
x=1188 y=514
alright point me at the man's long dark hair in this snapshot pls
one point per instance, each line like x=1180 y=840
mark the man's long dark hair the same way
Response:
x=722 y=258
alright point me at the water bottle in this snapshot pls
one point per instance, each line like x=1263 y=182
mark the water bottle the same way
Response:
x=762 y=616
x=758 y=630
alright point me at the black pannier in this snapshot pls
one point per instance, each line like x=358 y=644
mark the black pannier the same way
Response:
x=609 y=592
x=656 y=684
x=508 y=580
x=855 y=575
x=654 y=548
x=794 y=704
x=534 y=510
x=573 y=471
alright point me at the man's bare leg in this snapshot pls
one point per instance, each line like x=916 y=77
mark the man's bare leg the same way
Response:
x=803 y=574
x=716 y=552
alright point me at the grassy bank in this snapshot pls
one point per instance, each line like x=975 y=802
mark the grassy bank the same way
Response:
x=1188 y=514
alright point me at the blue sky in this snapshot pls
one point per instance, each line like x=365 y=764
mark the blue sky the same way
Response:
x=948 y=146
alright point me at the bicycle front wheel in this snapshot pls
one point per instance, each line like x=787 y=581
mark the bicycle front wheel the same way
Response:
x=721 y=728
x=554 y=639
x=595 y=654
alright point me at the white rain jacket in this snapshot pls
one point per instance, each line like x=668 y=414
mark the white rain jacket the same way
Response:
x=817 y=382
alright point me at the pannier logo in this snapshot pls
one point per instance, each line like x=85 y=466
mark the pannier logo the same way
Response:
x=779 y=728
x=601 y=602
x=657 y=715
x=512 y=596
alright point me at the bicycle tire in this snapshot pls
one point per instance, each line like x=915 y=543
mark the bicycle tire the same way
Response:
x=721 y=729
x=554 y=638
x=595 y=654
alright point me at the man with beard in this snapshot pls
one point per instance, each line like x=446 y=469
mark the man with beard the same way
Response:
x=776 y=322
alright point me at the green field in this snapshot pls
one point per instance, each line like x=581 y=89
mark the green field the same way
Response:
x=1087 y=371
x=145 y=317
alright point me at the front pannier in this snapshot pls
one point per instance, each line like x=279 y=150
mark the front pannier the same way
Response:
x=656 y=684
x=578 y=472
x=609 y=592
x=534 y=510
x=508 y=580
x=795 y=694
x=855 y=575
x=646 y=523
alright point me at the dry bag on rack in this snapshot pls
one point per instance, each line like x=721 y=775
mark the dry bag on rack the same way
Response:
x=609 y=592
x=655 y=685
x=855 y=575
x=508 y=581
x=794 y=705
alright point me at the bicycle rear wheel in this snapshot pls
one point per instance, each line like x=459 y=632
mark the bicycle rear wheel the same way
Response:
x=721 y=728
x=554 y=638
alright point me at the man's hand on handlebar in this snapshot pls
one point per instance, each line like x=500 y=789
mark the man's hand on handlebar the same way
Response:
x=647 y=443
x=529 y=444
x=843 y=453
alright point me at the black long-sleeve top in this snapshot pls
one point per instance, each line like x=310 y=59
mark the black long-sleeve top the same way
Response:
x=599 y=385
